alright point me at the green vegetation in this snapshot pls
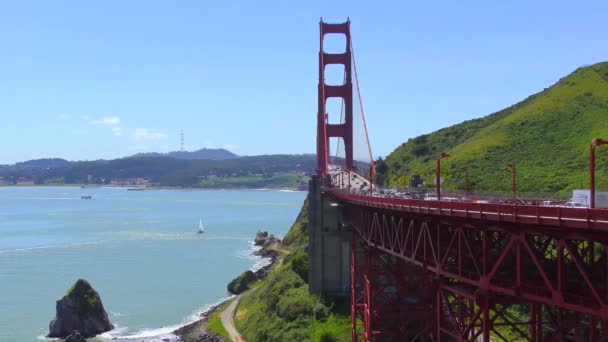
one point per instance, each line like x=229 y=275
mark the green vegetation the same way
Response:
x=269 y=181
x=214 y=324
x=203 y=153
x=83 y=290
x=242 y=283
x=546 y=136
x=280 y=307
x=297 y=235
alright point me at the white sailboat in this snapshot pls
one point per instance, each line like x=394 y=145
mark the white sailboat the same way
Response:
x=201 y=229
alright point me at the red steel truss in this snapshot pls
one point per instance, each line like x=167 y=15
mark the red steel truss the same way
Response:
x=391 y=300
x=476 y=274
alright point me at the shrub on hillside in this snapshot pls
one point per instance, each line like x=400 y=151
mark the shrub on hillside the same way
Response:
x=241 y=283
x=299 y=264
x=296 y=303
x=321 y=312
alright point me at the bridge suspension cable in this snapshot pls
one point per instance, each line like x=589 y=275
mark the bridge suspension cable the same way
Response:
x=362 y=151
x=369 y=148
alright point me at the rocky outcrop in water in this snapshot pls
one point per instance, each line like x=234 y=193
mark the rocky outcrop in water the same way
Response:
x=80 y=309
x=262 y=238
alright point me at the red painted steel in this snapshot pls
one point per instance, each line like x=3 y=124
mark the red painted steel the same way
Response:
x=344 y=91
x=487 y=258
x=391 y=298
x=556 y=217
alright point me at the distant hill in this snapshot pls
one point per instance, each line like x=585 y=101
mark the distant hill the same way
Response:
x=204 y=153
x=43 y=163
x=547 y=136
x=168 y=171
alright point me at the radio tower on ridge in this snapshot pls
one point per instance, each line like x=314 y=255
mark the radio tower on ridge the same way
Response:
x=182 y=146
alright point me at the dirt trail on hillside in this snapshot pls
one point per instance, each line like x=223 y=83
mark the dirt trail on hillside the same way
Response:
x=228 y=321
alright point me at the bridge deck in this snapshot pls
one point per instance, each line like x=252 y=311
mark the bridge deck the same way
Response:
x=559 y=217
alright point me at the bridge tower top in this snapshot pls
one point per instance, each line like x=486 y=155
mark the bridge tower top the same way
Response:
x=343 y=130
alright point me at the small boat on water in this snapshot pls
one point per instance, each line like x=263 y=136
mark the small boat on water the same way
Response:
x=86 y=197
x=201 y=229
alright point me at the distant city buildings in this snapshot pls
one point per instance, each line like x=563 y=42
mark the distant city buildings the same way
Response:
x=140 y=181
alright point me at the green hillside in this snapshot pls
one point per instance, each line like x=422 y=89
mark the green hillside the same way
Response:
x=279 y=308
x=546 y=136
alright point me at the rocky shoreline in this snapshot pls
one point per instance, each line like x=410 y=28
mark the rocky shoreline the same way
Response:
x=197 y=331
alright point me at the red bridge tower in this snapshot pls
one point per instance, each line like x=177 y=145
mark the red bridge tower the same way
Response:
x=345 y=91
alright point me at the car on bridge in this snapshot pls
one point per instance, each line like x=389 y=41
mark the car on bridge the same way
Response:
x=573 y=204
x=552 y=203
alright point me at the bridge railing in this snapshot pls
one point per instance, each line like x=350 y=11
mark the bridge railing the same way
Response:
x=529 y=214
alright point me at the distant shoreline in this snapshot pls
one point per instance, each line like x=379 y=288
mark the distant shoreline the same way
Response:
x=85 y=186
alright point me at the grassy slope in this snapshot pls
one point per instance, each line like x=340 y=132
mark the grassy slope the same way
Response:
x=281 y=308
x=547 y=136
x=214 y=323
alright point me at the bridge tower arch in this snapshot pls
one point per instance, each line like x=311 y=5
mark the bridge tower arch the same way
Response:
x=343 y=130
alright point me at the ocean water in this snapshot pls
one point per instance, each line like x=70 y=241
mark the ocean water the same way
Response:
x=139 y=250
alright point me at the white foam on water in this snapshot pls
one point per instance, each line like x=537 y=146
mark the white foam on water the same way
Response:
x=249 y=254
x=157 y=334
x=147 y=335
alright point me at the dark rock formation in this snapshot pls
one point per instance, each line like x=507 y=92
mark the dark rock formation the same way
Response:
x=209 y=338
x=241 y=283
x=266 y=252
x=75 y=337
x=263 y=239
x=80 y=309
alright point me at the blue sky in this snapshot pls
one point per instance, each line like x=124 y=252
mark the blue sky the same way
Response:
x=84 y=80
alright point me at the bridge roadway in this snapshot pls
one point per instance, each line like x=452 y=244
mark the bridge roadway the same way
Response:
x=560 y=217
x=347 y=180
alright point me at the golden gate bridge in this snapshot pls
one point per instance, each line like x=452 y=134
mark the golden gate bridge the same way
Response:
x=446 y=270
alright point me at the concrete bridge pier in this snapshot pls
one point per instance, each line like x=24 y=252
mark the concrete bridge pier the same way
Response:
x=329 y=246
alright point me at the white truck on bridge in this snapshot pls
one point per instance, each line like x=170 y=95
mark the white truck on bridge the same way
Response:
x=583 y=197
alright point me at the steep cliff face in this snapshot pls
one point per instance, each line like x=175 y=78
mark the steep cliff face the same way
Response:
x=80 y=309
